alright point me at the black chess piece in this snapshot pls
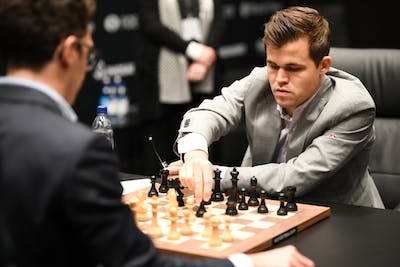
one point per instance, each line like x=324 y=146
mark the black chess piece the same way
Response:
x=243 y=205
x=179 y=193
x=290 y=193
x=153 y=190
x=282 y=209
x=263 y=207
x=201 y=210
x=217 y=194
x=164 y=177
x=231 y=207
x=253 y=200
x=234 y=180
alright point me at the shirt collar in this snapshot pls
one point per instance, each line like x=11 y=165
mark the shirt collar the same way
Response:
x=61 y=103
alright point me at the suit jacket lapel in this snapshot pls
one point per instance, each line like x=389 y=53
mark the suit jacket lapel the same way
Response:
x=300 y=138
x=267 y=127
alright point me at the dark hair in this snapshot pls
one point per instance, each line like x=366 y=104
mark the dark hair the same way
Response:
x=31 y=30
x=294 y=22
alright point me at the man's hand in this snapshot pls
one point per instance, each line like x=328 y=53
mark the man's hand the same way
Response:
x=287 y=256
x=196 y=72
x=208 y=55
x=196 y=173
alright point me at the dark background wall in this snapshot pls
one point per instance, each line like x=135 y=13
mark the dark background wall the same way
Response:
x=354 y=23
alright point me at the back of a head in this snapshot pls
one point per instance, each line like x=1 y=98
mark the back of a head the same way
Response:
x=31 y=30
x=292 y=23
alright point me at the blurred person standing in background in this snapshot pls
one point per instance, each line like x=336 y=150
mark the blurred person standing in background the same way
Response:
x=175 y=65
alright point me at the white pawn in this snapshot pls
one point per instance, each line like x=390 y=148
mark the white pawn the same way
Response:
x=187 y=229
x=207 y=225
x=215 y=240
x=227 y=234
x=173 y=232
x=155 y=230
x=190 y=206
x=141 y=207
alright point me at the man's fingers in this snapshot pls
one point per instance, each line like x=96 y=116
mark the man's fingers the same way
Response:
x=207 y=182
x=186 y=177
x=198 y=181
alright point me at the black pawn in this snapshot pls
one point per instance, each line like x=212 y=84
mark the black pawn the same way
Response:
x=291 y=204
x=243 y=205
x=282 y=209
x=164 y=177
x=179 y=193
x=153 y=190
x=253 y=200
x=201 y=210
x=217 y=194
x=231 y=207
x=263 y=208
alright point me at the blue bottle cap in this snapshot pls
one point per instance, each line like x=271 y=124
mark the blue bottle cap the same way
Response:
x=102 y=109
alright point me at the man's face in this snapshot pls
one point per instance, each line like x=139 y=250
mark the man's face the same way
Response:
x=293 y=76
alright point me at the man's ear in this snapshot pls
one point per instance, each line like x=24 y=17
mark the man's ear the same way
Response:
x=69 y=51
x=326 y=63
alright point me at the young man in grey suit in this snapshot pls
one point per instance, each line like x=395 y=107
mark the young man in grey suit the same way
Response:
x=308 y=125
x=60 y=196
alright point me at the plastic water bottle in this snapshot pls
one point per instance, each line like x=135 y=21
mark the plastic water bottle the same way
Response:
x=102 y=125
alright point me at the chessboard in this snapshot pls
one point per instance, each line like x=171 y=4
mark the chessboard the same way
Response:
x=249 y=230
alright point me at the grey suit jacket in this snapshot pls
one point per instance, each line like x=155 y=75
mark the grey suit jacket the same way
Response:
x=327 y=156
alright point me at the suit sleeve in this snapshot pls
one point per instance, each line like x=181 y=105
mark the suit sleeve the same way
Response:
x=103 y=223
x=326 y=155
x=217 y=117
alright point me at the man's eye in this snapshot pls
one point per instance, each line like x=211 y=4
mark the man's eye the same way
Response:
x=293 y=69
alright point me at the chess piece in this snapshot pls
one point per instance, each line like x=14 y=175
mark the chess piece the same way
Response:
x=201 y=210
x=164 y=177
x=179 y=193
x=141 y=208
x=153 y=190
x=207 y=225
x=217 y=194
x=282 y=209
x=190 y=206
x=187 y=229
x=154 y=230
x=215 y=240
x=291 y=204
x=173 y=231
x=243 y=205
x=263 y=207
x=234 y=180
x=207 y=202
x=227 y=234
x=231 y=207
x=253 y=200
x=171 y=196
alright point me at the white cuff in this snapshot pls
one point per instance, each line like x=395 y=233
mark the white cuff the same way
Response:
x=240 y=260
x=192 y=141
x=194 y=50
